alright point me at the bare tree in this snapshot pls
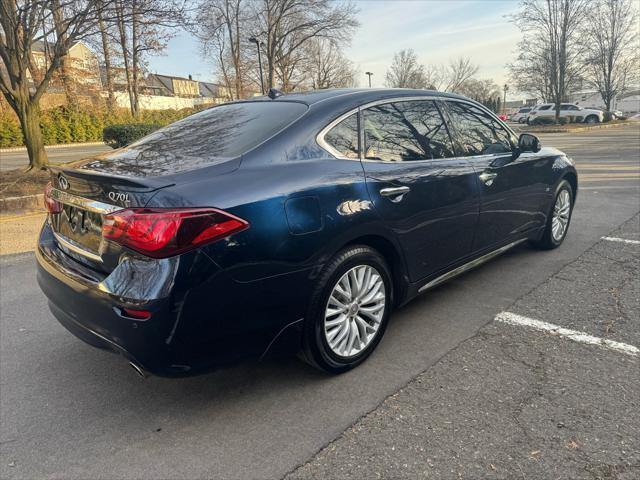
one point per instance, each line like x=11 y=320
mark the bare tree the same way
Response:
x=21 y=81
x=327 y=67
x=554 y=26
x=611 y=45
x=220 y=25
x=460 y=71
x=406 y=71
x=285 y=26
x=530 y=72
x=450 y=77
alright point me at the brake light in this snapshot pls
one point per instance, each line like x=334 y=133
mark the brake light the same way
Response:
x=52 y=205
x=161 y=232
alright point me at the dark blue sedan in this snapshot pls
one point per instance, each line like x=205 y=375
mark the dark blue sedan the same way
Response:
x=290 y=223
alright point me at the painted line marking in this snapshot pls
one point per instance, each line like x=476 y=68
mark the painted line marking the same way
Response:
x=576 y=336
x=622 y=240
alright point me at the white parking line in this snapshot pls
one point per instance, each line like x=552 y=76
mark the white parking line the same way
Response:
x=621 y=240
x=576 y=336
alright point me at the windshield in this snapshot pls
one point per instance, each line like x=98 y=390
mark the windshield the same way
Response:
x=203 y=139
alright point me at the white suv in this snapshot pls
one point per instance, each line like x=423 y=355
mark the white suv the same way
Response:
x=521 y=115
x=548 y=110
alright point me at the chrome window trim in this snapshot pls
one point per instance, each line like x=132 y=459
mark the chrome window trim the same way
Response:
x=62 y=241
x=327 y=147
x=85 y=203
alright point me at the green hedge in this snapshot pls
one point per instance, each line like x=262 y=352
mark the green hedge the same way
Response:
x=117 y=136
x=62 y=125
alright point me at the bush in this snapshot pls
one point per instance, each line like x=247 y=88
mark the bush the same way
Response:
x=65 y=125
x=543 y=120
x=117 y=136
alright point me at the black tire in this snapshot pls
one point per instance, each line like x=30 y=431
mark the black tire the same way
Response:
x=591 y=119
x=315 y=347
x=547 y=241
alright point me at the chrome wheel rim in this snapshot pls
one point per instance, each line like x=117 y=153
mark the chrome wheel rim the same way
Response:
x=561 y=212
x=354 y=311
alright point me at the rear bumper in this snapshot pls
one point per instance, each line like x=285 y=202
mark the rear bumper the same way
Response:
x=201 y=318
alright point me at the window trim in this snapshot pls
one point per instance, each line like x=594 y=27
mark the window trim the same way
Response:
x=320 y=140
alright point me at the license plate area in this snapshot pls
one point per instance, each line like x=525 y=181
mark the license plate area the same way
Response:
x=81 y=226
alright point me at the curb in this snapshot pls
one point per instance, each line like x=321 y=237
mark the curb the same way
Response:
x=579 y=129
x=59 y=145
x=22 y=204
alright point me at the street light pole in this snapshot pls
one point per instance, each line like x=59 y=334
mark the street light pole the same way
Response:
x=258 y=44
x=504 y=102
x=369 y=74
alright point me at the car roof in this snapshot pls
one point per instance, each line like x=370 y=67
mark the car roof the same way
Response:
x=362 y=95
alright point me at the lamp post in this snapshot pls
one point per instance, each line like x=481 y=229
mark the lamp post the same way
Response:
x=369 y=75
x=259 y=44
x=504 y=102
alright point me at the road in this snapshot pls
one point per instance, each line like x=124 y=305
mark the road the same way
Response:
x=12 y=160
x=70 y=411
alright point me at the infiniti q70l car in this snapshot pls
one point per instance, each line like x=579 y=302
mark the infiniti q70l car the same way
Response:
x=289 y=223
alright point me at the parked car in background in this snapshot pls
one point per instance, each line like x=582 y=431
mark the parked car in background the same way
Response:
x=290 y=222
x=521 y=115
x=503 y=117
x=547 y=112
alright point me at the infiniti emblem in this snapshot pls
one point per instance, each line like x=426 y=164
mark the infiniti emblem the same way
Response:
x=63 y=182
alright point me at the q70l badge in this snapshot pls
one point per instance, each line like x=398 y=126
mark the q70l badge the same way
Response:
x=119 y=197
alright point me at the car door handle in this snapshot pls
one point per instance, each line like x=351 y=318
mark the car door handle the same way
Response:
x=488 y=178
x=395 y=194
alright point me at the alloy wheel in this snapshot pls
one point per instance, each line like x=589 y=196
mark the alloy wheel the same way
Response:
x=561 y=213
x=354 y=311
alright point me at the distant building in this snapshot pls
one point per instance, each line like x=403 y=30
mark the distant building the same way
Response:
x=627 y=103
x=84 y=61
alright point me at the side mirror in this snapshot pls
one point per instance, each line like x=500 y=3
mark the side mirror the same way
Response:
x=529 y=143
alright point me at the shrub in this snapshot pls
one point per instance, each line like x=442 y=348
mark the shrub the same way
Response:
x=10 y=132
x=117 y=136
x=543 y=120
x=64 y=125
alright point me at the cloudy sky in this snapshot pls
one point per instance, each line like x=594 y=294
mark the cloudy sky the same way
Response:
x=436 y=30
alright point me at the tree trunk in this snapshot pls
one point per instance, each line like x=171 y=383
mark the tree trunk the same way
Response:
x=125 y=52
x=29 y=116
x=66 y=68
x=111 y=101
x=135 y=60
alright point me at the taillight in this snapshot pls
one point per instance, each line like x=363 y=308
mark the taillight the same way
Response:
x=52 y=205
x=160 y=233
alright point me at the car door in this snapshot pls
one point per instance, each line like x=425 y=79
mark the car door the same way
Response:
x=513 y=188
x=418 y=186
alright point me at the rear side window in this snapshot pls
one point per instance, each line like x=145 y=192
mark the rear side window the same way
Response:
x=479 y=133
x=406 y=131
x=203 y=139
x=344 y=137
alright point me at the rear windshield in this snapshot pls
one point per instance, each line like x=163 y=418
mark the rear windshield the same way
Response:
x=203 y=139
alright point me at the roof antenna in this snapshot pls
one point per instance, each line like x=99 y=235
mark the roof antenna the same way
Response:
x=274 y=93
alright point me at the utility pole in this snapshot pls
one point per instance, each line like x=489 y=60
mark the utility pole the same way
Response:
x=259 y=44
x=369 y=75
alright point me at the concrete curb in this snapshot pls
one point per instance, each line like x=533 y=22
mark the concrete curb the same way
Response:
x=46 y=147
x=22 y=204
x=577 y=129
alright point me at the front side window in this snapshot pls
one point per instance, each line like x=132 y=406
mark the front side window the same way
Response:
x=479 y=133
x=344 y=137
x=406 y=131
x=545 y=107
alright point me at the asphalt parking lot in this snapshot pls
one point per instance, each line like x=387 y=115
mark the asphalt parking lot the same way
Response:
x=451 y=392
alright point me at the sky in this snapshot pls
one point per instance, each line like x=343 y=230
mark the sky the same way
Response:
x=437 y=30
